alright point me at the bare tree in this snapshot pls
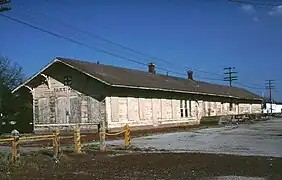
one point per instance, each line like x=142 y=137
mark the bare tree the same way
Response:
x=11 y=75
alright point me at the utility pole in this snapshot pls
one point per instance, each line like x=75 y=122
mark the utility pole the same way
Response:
x=230 y=75
x=4 y=8
x=270 y=87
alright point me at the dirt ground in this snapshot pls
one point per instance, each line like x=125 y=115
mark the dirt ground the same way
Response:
x=136 y=165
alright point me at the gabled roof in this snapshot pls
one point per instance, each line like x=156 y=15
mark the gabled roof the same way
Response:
x=123 y=77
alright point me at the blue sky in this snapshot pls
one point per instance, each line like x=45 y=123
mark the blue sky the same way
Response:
x=203 y=35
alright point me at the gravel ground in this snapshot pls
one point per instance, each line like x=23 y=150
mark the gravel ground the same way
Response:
x=259 y=139
x=144 y=166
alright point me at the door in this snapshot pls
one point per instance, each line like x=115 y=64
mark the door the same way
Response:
x=62 y=110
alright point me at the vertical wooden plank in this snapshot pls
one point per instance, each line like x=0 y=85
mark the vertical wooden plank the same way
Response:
x=166 y=108
x=193 y=108
x=36 y=112
x=176 y=109
x=93 y=110
x=156 y=104
x=115 y=109
x=133 y=109
x=75 y=110
x=201 y=109
x=122 y=109
x=148 y=109
x=44 y=111
x=61 y=109
x=84 y=108
x=108 y=110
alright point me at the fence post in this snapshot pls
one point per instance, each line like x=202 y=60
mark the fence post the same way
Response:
x=15 y=147
x=102 y=133
x=126 y=136
x=56 y=145
x=77 y=140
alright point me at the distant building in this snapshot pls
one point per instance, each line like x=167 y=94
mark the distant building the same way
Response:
x=68 y=91
x=276 y=107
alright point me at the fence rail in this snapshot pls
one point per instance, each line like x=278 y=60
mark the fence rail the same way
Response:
x=16 y=139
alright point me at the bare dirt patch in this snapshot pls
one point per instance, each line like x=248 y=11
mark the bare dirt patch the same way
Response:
x=114 y=165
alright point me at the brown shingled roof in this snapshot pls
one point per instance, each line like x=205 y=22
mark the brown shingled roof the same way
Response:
x=118 y=76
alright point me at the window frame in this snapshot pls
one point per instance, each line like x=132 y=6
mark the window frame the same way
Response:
x=67 y=80
x=184 y=109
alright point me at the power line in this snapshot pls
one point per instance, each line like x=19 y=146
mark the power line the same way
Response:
x=248 y=86
x=123 y=46
x=97 y=49
x=116 y=44
x=89 y=46
x=71 y=40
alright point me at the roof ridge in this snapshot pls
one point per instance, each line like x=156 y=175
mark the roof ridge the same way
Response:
x=157 y=74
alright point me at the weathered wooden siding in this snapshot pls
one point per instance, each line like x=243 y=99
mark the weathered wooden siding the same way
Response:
x=145 y=111
x=244 y=108
x=153 y=112
x=133 y=109
x=56 y=104
x=256 y=108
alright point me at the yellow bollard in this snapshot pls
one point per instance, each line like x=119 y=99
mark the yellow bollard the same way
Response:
x=15 y=147
x=126 y=136
x=102 y=133
x=77 y=140
x=56 y=145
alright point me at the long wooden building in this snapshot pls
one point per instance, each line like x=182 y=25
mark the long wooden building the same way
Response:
x=67 y=91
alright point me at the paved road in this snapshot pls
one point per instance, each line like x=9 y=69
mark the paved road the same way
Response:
x=262 y=139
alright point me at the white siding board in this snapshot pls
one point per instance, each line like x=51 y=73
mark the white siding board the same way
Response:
x=61 y=110
x=122 y=106
x=133 y=109
x=44 y=110
x=115 y=109
x=166 y=109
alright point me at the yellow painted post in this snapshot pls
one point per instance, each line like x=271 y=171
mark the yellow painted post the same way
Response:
x=77 y=140
x=102 y=133
x=126 y=136
x=56 y=145
x=15 y=147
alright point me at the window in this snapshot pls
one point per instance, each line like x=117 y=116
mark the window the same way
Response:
x=183 y=110
x=230 y=106
x=190 y=108
x=186 y=109
x=67 y=80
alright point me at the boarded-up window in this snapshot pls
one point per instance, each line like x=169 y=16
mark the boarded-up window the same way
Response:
x=115 y=109
x=93 y=110
x=75 y=110
x=61 y=110
x=175 y=109
x=157 y=113
x=133 y=109
x=166 y=109
x=44 y=111
x=122 y=104
x=147 y=107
